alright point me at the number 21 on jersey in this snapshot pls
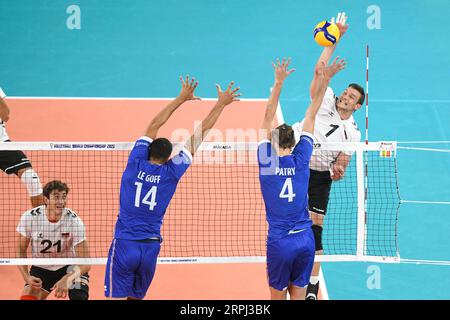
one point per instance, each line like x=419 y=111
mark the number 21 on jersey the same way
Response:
x=151 y=194
x=287 y=192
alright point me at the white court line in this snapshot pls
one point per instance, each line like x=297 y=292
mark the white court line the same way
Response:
x=426 y=262
x=424 y=142
x=424 y=101
x=323 y=286
x=424 y=149
x=411 y=100
x=118 y=98
x=425 y=202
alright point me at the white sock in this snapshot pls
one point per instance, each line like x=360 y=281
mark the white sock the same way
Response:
x=314 y=280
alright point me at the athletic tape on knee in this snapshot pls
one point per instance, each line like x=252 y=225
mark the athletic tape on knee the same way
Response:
x=31 y=181
x=317 y=236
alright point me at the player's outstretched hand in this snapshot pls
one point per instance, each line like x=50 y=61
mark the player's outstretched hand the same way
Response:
x=337 y=65
x=187 y=89
x=228 y=96
x=337 y=172
x=340 y=21
x=61 y=288
x=281 y=69
x=34 y=282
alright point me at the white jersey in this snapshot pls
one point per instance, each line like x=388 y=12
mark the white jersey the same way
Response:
x=52 y=240
x=329 y=127
x=3 y=135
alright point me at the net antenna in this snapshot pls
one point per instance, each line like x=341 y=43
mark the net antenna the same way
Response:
x=366 y=166
x=367 y=94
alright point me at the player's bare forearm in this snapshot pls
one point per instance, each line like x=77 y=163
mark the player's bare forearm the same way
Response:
x=202 y=131
x=271 y=108
x=161 y=118
x=82 y=251
x=343 y=160
x=224 y=98
x=327 y=52
x=24 y=272
x=274 y=97
x=339 y=166
x=188 y=87
x=23 y=269
x=212 y=117
x=311 y=112
x=22 y=247
x=4 y=110
x=325 y=57
x=281 y=73
x=323 y=75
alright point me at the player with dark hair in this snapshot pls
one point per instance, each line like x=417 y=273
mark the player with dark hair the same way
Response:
x=284 y=174
x=148 y=184
x=54 y=232
x=334 y=123
x=16 y=162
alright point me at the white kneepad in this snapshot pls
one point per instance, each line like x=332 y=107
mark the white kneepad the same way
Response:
x=31 y=181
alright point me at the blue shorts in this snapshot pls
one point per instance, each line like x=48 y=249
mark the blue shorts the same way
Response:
x=290 y=260
x=130 y=268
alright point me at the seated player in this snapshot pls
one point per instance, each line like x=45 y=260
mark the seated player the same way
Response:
x=148 y=184
x=16 y=162
x=54 y=232
x=284 y=175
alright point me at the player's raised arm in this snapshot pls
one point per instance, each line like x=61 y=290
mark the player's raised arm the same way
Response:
x=281 y=73
x=188 y=87
x=325 y=73
x=4 y=110
x=327 y=52
x=224 y=98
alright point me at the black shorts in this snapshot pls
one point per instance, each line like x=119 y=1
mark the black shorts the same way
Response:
x=49 y=277
x=319 y=191
x=12 y=161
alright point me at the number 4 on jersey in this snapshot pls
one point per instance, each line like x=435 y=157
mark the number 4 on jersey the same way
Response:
x=150 y=194
x=287 y=191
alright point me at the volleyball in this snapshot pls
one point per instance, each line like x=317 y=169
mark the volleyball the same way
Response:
x=326 y=33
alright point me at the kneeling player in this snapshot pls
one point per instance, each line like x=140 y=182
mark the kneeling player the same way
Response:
x=54 y=232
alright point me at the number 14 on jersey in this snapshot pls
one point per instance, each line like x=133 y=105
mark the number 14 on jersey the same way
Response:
x=151 y=194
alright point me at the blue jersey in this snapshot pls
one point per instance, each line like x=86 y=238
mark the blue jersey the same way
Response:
x=284 y=186
x=146 y=190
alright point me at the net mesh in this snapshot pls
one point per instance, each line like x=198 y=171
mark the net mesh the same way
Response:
x=382 y=208
x=217 y=210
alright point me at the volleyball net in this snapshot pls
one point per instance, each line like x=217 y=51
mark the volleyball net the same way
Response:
x=217 y=214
